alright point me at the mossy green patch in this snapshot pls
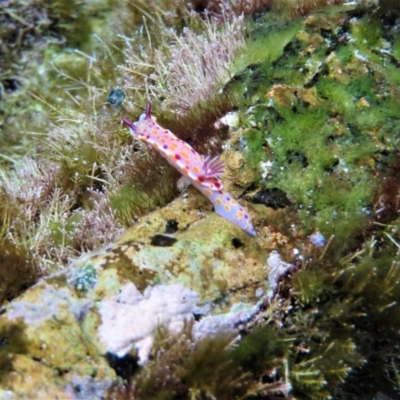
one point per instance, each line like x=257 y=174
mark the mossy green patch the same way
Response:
x=12 y=342
x=396 y=48
x=267 y=41
x=367 y=32
x=261 y=350
x=255 y=140
x=126 y=202
x=309 y=285
x=324 y=146
x=333 y=291
x=133 y=200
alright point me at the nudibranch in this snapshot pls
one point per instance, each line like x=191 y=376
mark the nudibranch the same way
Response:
x=202 y=172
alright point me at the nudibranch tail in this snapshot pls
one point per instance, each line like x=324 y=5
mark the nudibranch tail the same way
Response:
x=227 y=207
x=202 y=172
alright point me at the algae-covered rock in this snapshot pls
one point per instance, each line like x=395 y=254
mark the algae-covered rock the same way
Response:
x=53 y=349
x=185 y=304
x=114 y=300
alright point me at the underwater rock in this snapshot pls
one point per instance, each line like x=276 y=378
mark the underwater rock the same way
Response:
x=62 y=337
x=111 y=302
x=282 y=95
x=238 y=174
x=48 y=318
x=274 y=197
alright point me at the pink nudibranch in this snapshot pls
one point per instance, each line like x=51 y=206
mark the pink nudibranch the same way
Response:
x=202 y=172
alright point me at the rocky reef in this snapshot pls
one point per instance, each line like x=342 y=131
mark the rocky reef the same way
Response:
x=117 y=285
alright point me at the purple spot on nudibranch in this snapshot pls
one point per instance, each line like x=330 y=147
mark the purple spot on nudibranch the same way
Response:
x=177 y=156
x=165 y=146
x=228 y=199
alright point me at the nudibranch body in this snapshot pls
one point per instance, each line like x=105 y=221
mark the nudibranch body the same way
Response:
x=202 y=172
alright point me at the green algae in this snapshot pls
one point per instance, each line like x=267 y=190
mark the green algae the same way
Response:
x=33 y=33
x=138 y=197
x=261 y=350
x=266 y=42
x=331 y=153
x=337 y=135
x=125 y=202
x=331 y=157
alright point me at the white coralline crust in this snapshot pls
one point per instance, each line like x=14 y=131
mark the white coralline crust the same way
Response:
x=225 y=323
x=130 y=318
x=278 y=269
